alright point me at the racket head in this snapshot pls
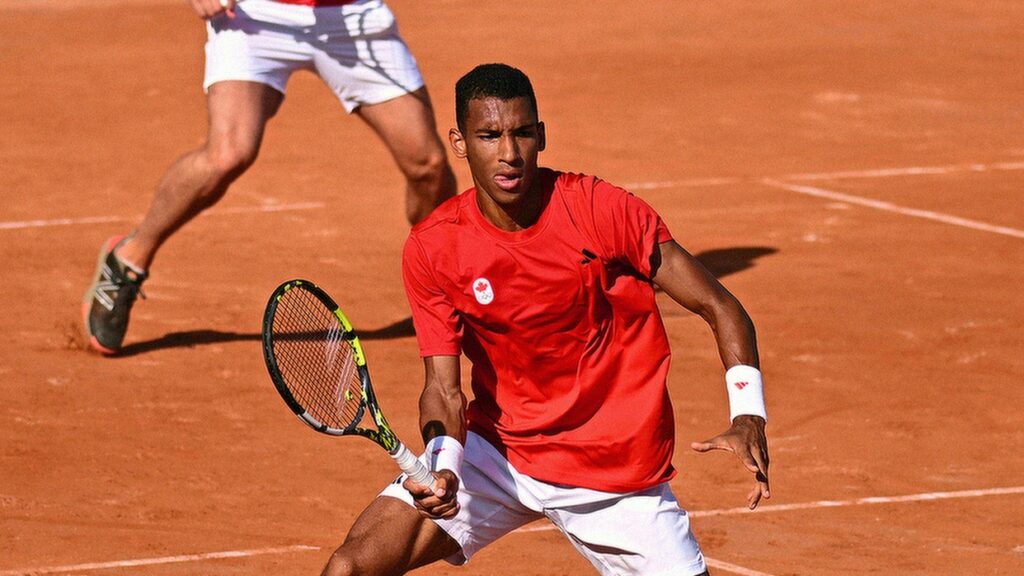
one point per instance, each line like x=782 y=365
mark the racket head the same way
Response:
x=315 y=359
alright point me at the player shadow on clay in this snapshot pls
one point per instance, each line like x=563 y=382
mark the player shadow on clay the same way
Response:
x=720 y=262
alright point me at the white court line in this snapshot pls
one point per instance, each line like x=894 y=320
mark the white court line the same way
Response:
x=890 y=207
x=154 y=561
x=732 y=568
x=693 y=182
x=717 y=564
x=908 y=171
x=870 y=173
x=925 y=497
x=18 y=225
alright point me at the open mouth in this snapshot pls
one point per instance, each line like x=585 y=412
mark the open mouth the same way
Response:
x=508 y=181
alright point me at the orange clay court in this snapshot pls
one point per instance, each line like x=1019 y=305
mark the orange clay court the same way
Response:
x=853 y=172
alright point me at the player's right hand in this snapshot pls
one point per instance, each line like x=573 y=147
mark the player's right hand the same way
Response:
x=207 y=9
x=442 y=501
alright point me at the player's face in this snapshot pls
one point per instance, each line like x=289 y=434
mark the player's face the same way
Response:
x=501 y=143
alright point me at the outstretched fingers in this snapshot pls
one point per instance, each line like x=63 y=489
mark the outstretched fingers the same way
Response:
x=746 y=439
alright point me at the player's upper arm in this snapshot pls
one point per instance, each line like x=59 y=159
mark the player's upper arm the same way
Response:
x=686 y=280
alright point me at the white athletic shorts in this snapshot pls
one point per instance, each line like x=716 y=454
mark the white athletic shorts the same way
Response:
x=621 y=534
x=355 y=48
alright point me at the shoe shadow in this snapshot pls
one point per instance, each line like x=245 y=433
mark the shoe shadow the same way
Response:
x=192 y=338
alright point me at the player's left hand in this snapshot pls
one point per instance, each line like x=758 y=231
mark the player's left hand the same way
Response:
x=746 y=439
x=442 y=501
x=207 y=9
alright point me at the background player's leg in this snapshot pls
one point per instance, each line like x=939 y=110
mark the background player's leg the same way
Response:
x=389 y=537
x=238 y=112
x=406 y=125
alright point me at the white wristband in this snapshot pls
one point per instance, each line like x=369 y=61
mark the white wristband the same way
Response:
x=746 y=392
x=444 y=453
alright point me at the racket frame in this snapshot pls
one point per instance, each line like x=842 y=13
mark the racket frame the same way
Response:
x=384 y=436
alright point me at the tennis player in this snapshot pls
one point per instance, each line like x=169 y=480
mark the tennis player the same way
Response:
x=545 y=281
x=253 y=47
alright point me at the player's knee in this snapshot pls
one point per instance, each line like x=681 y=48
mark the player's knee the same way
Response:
x=341 y=564
x=429 y=168
x=230 y=158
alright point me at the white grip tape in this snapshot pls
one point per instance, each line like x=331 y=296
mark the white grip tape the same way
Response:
x=445 y=453
x=746 y=392
x=411 y=465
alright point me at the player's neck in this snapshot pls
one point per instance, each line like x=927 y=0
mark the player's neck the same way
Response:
x=513 y=216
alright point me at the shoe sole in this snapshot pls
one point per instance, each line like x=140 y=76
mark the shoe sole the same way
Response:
x=87 y=299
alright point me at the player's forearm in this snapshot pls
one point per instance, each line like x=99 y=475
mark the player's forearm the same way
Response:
x=734 y=333
x=442 y=403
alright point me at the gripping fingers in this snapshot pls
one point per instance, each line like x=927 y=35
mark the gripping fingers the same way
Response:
x=207 y=9
x=442 y=501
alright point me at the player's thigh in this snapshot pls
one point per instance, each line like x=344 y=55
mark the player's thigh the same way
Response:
x=407 y=127
x=238 y=114
x=391 y=537
x=642 y=533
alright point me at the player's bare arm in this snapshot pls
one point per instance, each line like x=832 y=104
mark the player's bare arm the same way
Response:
x=442 y=414
x=683 y=278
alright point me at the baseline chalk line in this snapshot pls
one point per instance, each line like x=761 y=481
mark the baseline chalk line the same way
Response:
x=907 y=171
x=22 y=224
x=890 y=207
x=732 y=568
x=925 y=497
x=765 y=509
x=156 y=561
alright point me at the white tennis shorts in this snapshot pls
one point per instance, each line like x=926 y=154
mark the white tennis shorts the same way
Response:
x=621 y=534
x=355 y=48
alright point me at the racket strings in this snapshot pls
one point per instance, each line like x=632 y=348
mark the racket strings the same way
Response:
x=316 y=362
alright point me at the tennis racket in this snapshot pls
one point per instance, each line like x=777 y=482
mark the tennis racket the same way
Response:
x=317 y=365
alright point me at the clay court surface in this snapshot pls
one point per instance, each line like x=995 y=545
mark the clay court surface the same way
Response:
x=853 y=171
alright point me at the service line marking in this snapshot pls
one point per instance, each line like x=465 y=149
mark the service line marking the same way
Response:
x=812 y=176
x=923 y=497
x=717 y=564
x=732 y=568
x=155 y=561
x=19 y=225
x=908 y=171
x=890 y=207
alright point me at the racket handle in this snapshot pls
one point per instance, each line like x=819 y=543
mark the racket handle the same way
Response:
x=412 y=466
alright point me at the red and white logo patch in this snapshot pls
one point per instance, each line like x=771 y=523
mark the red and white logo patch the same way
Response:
x=482 y=291
x=740 y=385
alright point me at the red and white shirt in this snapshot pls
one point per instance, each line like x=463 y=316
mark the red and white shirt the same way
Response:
x=569 y=353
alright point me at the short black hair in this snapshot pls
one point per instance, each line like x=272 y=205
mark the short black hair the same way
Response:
x=491 y=81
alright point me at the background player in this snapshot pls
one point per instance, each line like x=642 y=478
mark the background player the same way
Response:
x=544 y=280
x=252 y=50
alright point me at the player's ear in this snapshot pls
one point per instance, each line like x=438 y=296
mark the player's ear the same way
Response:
x=457 y=142
x=542 y=140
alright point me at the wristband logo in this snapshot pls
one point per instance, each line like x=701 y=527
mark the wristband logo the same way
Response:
x=482 y=291
x=740 y=385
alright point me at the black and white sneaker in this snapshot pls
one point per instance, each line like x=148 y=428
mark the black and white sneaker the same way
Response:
x=108 y=302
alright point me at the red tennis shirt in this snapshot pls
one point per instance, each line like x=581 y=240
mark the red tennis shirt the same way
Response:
x=569 y=353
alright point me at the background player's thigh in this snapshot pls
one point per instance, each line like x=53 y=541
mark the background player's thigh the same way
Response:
x=239 y=111
x=390 y=537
